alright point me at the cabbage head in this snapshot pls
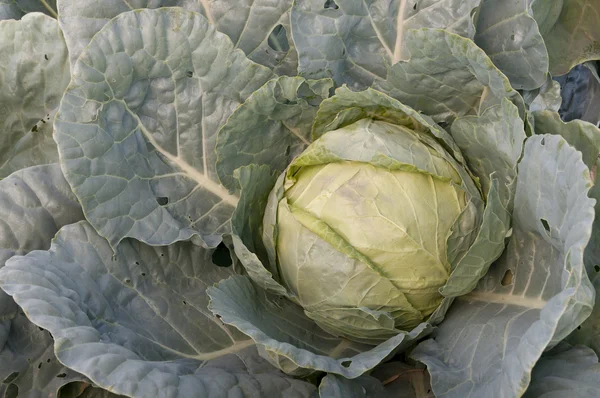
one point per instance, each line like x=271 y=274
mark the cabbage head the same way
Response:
x=370 y=233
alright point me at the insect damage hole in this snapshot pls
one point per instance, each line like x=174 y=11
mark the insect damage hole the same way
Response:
x=278 y=39
x=221 y=256
x=545 y=224
x=162 y=200
x=508 y=277
x=597 y=268
x=346 y=364
x=330 y=4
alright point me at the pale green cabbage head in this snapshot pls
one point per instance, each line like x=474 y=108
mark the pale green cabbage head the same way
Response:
x=363 y=240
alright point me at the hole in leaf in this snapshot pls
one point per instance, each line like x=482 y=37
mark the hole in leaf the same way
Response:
x=189 y=73
x=39 y=365
x=512 y=37
x=34 y=129
x=11 y=377
x=343 y=51
x=287 y=150
x=42 y=329
x=545 y=224
x=61 y=375
x=543 y=141
x=507 y=279
x=579 y=327
x=278 y=39
x=221 y=256
x=346 y=364
x=48 y=360
x=127 y=281
x=597 y=268
x=143 y=274
x=12 y=391
x=137 y=263
x=415 y=7
x=330 y=4
x=162 y=200
x=46 y=57
x=184 y=302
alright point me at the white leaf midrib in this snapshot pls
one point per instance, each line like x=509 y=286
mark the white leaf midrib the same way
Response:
x=202 y=179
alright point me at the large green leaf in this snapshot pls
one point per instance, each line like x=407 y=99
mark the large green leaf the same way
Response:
x=333 y=386
x=15 y=9
x=354 y=42
x=248 y=23
x=29 y=361
x=9 y=10
x=447 y=76
x=566 y=371
x=291 y=340
x=584 y=136
x=570 y=30
x=492 y=145
x=257 y=256
x=34 y=204
x=271 y=127
x=135 y=322
x=588 y=332
x=404 y=381
x=534 y=295
x=508 y=33
x=33 y=76
x=137 y=126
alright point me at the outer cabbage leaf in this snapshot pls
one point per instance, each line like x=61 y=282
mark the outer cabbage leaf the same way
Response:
x=85 y=390
x=15 y=9
x=565 y=371
x=580 y=91
x=33 y=75
x=9 y=10
x=249 y=24
x=534 y=295
x=354 y=42
x=509 y=34
x=588 y=333
x=404 y=381
x=291 y=340
x=584 y=136
x=271 y=127
x=570 y=30
x=447 y=76
x=34 y=370
x=257 y=258
x=136 y=321
x=34 y=204
x=492 y=144
x=136 y=129
x=333 y=386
